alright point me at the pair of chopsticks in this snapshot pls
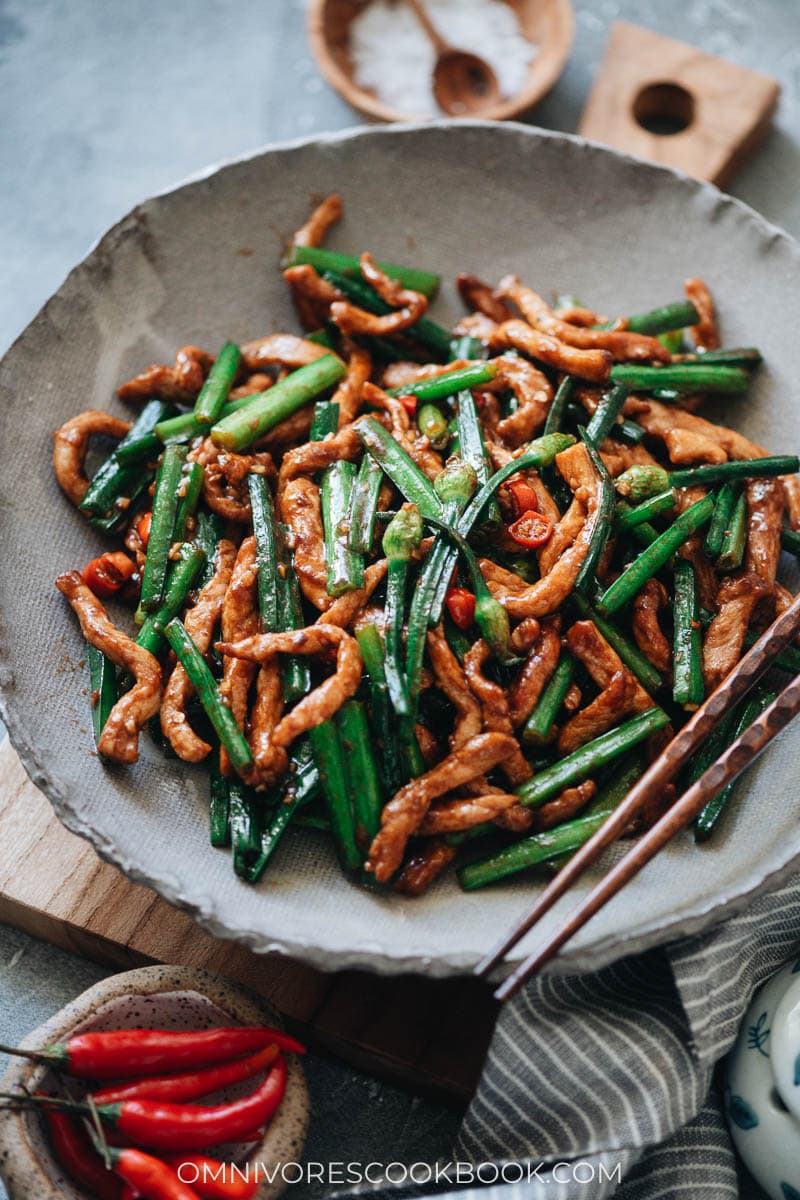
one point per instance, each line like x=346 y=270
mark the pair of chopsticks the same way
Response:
x=730 y=764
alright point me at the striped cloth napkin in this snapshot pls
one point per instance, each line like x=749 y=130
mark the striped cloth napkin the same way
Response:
x=614 y=1070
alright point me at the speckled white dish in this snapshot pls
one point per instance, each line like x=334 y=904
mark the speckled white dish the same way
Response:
x=156 y=998
x=200 y=264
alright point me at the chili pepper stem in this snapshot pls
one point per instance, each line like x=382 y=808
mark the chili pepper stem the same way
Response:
x=24 y=1100
x=96 y=1133
x=47 y=1057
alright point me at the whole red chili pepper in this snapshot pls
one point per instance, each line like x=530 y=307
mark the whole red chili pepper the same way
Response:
x=461 y=606
x=531 y=530
x=107 y=574
x=150 y=1177
x=167 y=1126
x=126 y=1053
x=78 y=1157
x=523 y=495
x=191 y=1084
x=216 y=1180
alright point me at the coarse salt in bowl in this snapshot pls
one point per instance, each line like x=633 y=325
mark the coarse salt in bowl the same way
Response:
x=394 y=58
x=377 y=55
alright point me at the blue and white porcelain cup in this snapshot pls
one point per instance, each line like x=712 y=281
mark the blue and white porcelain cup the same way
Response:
x=762 y=1093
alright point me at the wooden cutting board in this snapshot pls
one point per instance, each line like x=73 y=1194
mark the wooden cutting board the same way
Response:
x=428 y=1035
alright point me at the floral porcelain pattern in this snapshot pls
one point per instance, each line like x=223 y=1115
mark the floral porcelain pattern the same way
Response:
x=762 y=1093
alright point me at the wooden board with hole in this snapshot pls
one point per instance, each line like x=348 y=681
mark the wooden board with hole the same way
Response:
x=676 y=105
x=427 y=1035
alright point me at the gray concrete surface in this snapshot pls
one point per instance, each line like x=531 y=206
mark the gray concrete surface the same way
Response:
x=104 y=103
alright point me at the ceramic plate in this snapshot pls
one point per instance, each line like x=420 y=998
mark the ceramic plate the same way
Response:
x=200 y=264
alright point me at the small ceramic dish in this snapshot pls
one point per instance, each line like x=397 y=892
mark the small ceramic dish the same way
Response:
x=159 y=998
x=548 y=24
x=762 y=1094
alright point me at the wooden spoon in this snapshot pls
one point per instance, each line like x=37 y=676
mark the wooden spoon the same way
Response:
x=462 y=82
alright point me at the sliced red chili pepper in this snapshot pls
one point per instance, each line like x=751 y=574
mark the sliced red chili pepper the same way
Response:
x=131 y=1053
x=166 y=1126
x=216 y=1180
x=461 y=607
x=78 y=1157
x=409 y=403
x=108 y=573
x=523 y=495
x=192 y=1084
x=150 y=1178
x=531 y=530
x=143 y=527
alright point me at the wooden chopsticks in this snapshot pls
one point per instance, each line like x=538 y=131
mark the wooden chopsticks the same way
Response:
x=727 y=767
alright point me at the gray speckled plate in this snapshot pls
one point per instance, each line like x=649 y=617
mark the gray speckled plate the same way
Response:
x=199 y=265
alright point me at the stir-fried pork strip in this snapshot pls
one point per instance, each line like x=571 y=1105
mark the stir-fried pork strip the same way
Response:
x=594 y=365
x=326 y=699
x=119 y=741
x=602 y=662
x=71 y=445
x=650 y=637
x=180 y=382
x=722 y=646
x=494 y=709
x=408 y=306
x=239 y=619
x=481 y=297
x=535 y=673
x=620 y=344
x=424 y=865
x=466 y=812
x=766 y=500
x=705 y=334
x=616 y=701
x=200 y=622
x=569 y=804
x=452 y=681
x=281 y=349
x=404 y=813
x=320 y=222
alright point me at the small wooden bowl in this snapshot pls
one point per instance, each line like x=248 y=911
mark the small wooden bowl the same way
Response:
x=548 y=23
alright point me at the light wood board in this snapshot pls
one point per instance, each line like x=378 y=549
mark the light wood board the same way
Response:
x=729 y=107
x=424 y=1034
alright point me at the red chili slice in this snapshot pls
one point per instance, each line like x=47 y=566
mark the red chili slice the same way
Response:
x=523 y=495
x=531 y=530
x=409 y=403
x=461 y=607
x=109 y=573
x=143 y=527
